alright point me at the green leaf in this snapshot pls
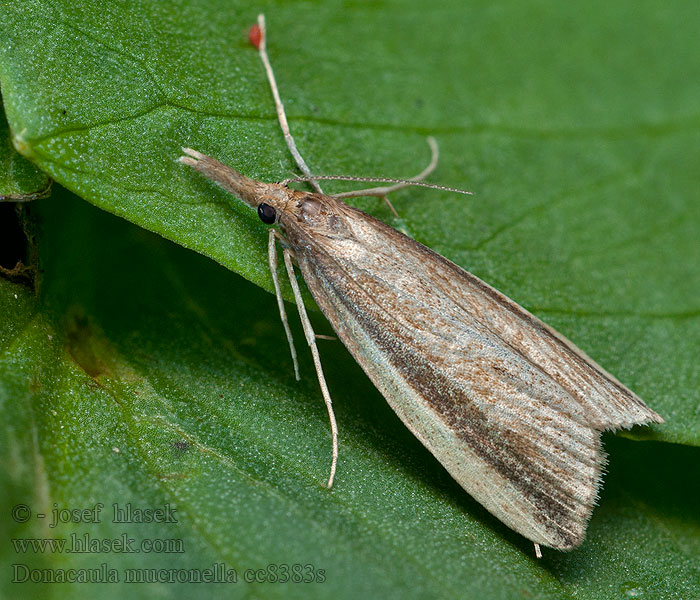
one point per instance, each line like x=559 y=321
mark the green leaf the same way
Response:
x=20 y=180
x=142 y=373
x=182 y=393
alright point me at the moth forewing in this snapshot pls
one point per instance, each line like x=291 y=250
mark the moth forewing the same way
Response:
x=512 y=409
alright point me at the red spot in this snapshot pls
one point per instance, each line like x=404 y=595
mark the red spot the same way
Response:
x=255 y=36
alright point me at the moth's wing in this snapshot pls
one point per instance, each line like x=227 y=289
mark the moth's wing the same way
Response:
x=401 y=272
x=511 y=409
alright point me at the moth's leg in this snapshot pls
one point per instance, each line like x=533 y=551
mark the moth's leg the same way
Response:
x=281 y=116
x=383 y=191
x=538 y=551
x=380 y=192
x=311 y=339
x=272 y=259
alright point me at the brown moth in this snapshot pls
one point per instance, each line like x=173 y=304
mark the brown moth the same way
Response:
x=512 y=409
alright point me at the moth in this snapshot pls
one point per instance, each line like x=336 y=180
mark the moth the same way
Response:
x=512 y=409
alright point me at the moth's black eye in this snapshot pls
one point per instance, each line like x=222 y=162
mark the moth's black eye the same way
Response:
x=266 y=213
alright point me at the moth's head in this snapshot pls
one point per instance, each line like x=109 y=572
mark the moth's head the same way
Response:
x=272 y=200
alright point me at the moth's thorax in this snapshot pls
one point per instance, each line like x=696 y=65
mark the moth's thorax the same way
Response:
x=307 y=212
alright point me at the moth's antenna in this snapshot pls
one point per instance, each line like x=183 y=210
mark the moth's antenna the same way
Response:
x=284 y=125
x=384 y=191
x=381 y=191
